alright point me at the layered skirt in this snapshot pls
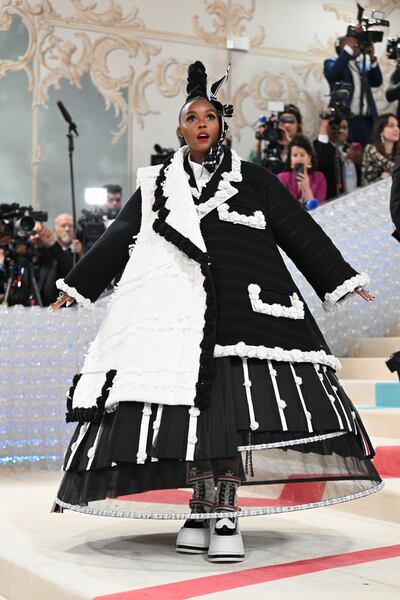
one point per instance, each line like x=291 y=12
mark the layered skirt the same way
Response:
x=300 y=441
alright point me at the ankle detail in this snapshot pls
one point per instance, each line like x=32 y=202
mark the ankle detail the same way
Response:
x=227 y=486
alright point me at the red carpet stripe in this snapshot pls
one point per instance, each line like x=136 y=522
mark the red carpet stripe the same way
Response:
x=193 y=588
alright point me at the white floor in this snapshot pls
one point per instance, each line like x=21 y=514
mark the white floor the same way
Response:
x=70 y=556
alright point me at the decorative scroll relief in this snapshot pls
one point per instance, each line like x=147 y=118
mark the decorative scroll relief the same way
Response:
x=111 y=15
x=268 y=86
x=296 y=311
x=29 y=15
x=228 y=20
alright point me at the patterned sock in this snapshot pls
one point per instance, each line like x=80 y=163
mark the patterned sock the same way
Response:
x=200 y=477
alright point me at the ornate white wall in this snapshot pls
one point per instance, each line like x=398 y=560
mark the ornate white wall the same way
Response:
x=120 y=66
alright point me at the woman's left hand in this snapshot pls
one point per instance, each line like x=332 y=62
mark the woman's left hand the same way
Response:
x=303 y=181
x=365 y=295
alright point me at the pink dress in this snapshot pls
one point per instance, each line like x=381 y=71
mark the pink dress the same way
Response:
x=317 y=182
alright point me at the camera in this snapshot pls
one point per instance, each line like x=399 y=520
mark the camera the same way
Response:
x=18 y=222
x=273 y=135
x=393 y=49
x=339 y=108
x=366 y=36
x=161 y=156
x=91 y=227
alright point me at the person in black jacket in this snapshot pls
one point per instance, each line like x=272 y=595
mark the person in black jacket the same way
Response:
x=208 y=349
x=393 y=89
x=338 y=160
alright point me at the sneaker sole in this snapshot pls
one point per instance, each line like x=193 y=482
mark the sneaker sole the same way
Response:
x=191 y=550
x=227 y=558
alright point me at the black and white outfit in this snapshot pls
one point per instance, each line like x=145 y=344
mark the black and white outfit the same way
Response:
x=208 y=348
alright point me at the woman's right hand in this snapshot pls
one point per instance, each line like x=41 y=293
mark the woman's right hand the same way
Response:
x=61 y=300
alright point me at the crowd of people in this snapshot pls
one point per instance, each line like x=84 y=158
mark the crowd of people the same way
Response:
x=355 y=146
x=52 y=253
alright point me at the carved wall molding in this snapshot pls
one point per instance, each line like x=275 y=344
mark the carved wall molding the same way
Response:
x=229 y=19
x=267 y=86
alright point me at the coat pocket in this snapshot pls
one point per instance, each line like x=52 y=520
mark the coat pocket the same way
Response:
x=275 y=303
x=255 y=220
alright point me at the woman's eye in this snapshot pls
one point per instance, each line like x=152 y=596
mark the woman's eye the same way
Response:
x=211 y=117
x=190 y=118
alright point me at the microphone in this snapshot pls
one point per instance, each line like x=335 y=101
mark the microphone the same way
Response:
x=67 y=117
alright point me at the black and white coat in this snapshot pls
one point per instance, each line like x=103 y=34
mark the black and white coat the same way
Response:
x=203 y=281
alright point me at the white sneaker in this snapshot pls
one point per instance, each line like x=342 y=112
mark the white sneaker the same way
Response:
x=226 y=544
x=193 y=537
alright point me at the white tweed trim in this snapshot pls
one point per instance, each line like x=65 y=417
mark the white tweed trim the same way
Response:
x=71 y=291
x=296 y=311
x=225 y=190
x=318 y=357
x=256 y=220
x=269 y=510
x=294 y=442
x=333 y=300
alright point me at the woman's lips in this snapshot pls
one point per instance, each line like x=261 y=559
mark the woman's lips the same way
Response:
x=203 y=137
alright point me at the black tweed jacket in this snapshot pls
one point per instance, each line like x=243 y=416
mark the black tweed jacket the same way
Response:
x=257 y=300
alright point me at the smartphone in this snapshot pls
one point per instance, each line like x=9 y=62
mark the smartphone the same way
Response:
x=298 y=168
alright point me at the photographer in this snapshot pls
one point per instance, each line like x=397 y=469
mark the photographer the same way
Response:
x=289 y=123
x=393 y=90
x=114 y=201
x=378 y=161
x=338 y=160
x=346 y=69
x=301 y=178
x=55 y=253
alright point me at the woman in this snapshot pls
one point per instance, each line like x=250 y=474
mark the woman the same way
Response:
x=290 y=123
x=300 y=177
x=208 y=355
x=379 y=155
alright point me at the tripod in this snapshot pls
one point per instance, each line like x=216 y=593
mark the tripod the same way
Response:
x=22 y=285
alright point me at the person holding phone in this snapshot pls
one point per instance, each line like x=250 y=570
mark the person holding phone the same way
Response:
x=300 y=177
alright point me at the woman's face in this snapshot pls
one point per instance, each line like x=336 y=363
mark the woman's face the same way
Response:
x=299 y=155
x=199 y=125
x=289 y=123
x=391 y=132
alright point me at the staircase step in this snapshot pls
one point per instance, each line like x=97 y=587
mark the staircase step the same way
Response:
x=381 y=422
x=387 y=394
x=366 y=368
x=384 y=505
x=364 y=392
x=360 y=391
x=373 y=347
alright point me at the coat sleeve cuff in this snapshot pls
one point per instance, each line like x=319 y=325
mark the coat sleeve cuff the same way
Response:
x=71 y=291
x=344 y=292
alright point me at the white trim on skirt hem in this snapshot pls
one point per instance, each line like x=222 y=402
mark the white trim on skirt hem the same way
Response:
x=217 y=515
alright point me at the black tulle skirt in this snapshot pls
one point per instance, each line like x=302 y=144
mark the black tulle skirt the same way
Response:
x=301 y=442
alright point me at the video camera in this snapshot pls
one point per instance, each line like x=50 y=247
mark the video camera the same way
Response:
x=16 y=225
x=161 y=156
x=366 y=36
x=91 y=227
x=18 y=222
x=393 y=49
x=339 y=108
x=273 y=135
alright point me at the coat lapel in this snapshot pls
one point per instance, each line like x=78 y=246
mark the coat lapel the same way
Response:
x=220 y=189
